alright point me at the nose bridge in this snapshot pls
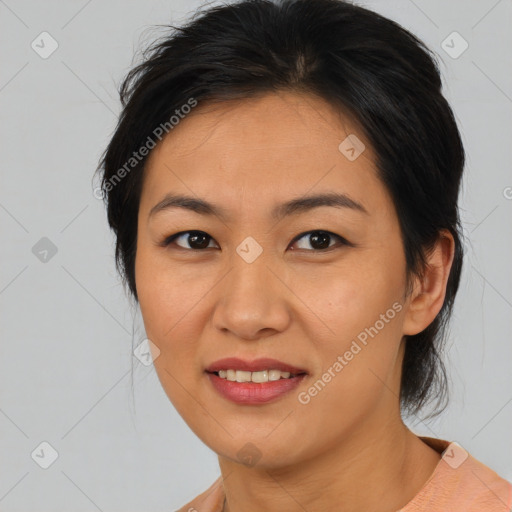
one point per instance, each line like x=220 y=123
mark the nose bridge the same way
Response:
x=250 y=274
x=251 y=296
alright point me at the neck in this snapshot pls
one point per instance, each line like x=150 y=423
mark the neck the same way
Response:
x=379 y=467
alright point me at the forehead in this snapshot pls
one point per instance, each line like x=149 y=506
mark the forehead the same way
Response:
x=269 y=147
x=270 y=121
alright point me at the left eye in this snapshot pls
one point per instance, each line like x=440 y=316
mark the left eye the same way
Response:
x=320 y=239
x=199 y=240
x=192 y=237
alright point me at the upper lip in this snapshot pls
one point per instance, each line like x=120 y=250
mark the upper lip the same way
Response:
x=256 y=365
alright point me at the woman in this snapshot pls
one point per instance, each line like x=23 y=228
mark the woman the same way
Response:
x=283 y=186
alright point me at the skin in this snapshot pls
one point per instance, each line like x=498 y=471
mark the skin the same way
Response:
x=294 y=303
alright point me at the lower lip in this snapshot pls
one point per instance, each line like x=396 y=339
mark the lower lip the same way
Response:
x=254 y=392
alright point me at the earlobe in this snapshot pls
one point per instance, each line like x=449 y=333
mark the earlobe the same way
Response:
x=429 y=292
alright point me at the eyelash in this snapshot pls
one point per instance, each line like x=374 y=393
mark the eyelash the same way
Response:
x=170 y=239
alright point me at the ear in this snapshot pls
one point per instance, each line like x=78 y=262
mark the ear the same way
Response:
x=428 y=294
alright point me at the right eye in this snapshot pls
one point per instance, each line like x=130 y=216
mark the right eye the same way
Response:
x=196 y=240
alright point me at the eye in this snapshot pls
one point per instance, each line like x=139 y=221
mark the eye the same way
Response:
x=197 y=240
x=320 y=240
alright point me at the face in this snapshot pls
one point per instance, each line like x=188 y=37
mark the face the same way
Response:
x=318 y=286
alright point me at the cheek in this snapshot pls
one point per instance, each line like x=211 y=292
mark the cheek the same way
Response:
x=358 y=363
x=359 y=334
x=350 y=296
x=172 y=302
x=158 y=300
x=171 y=323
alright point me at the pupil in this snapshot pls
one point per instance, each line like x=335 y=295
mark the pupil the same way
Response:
x=319 y=236
x=194 y=237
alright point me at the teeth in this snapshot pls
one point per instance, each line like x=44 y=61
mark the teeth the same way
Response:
x=262 y=376
x=274 y=375
x=243 y=376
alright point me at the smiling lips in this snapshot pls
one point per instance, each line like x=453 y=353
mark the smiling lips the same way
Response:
x=257 y=365
x=260 y=376
x=253 y=382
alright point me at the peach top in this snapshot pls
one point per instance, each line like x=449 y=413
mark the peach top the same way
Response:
x=459 y=483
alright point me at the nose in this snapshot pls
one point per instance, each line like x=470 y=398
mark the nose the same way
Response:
x=253 y=302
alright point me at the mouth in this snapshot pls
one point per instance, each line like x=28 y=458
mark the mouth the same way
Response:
x=254 y=382
x=269 y=375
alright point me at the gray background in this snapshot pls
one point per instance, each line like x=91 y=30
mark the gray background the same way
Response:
x=66 y=325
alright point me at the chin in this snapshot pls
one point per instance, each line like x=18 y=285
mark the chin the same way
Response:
x=259 y=449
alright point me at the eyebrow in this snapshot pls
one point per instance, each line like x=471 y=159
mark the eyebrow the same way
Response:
x=292 y=207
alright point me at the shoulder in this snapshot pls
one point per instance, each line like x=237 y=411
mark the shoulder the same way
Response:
x=210 y=500
x=461 y=483
x=488 y=491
